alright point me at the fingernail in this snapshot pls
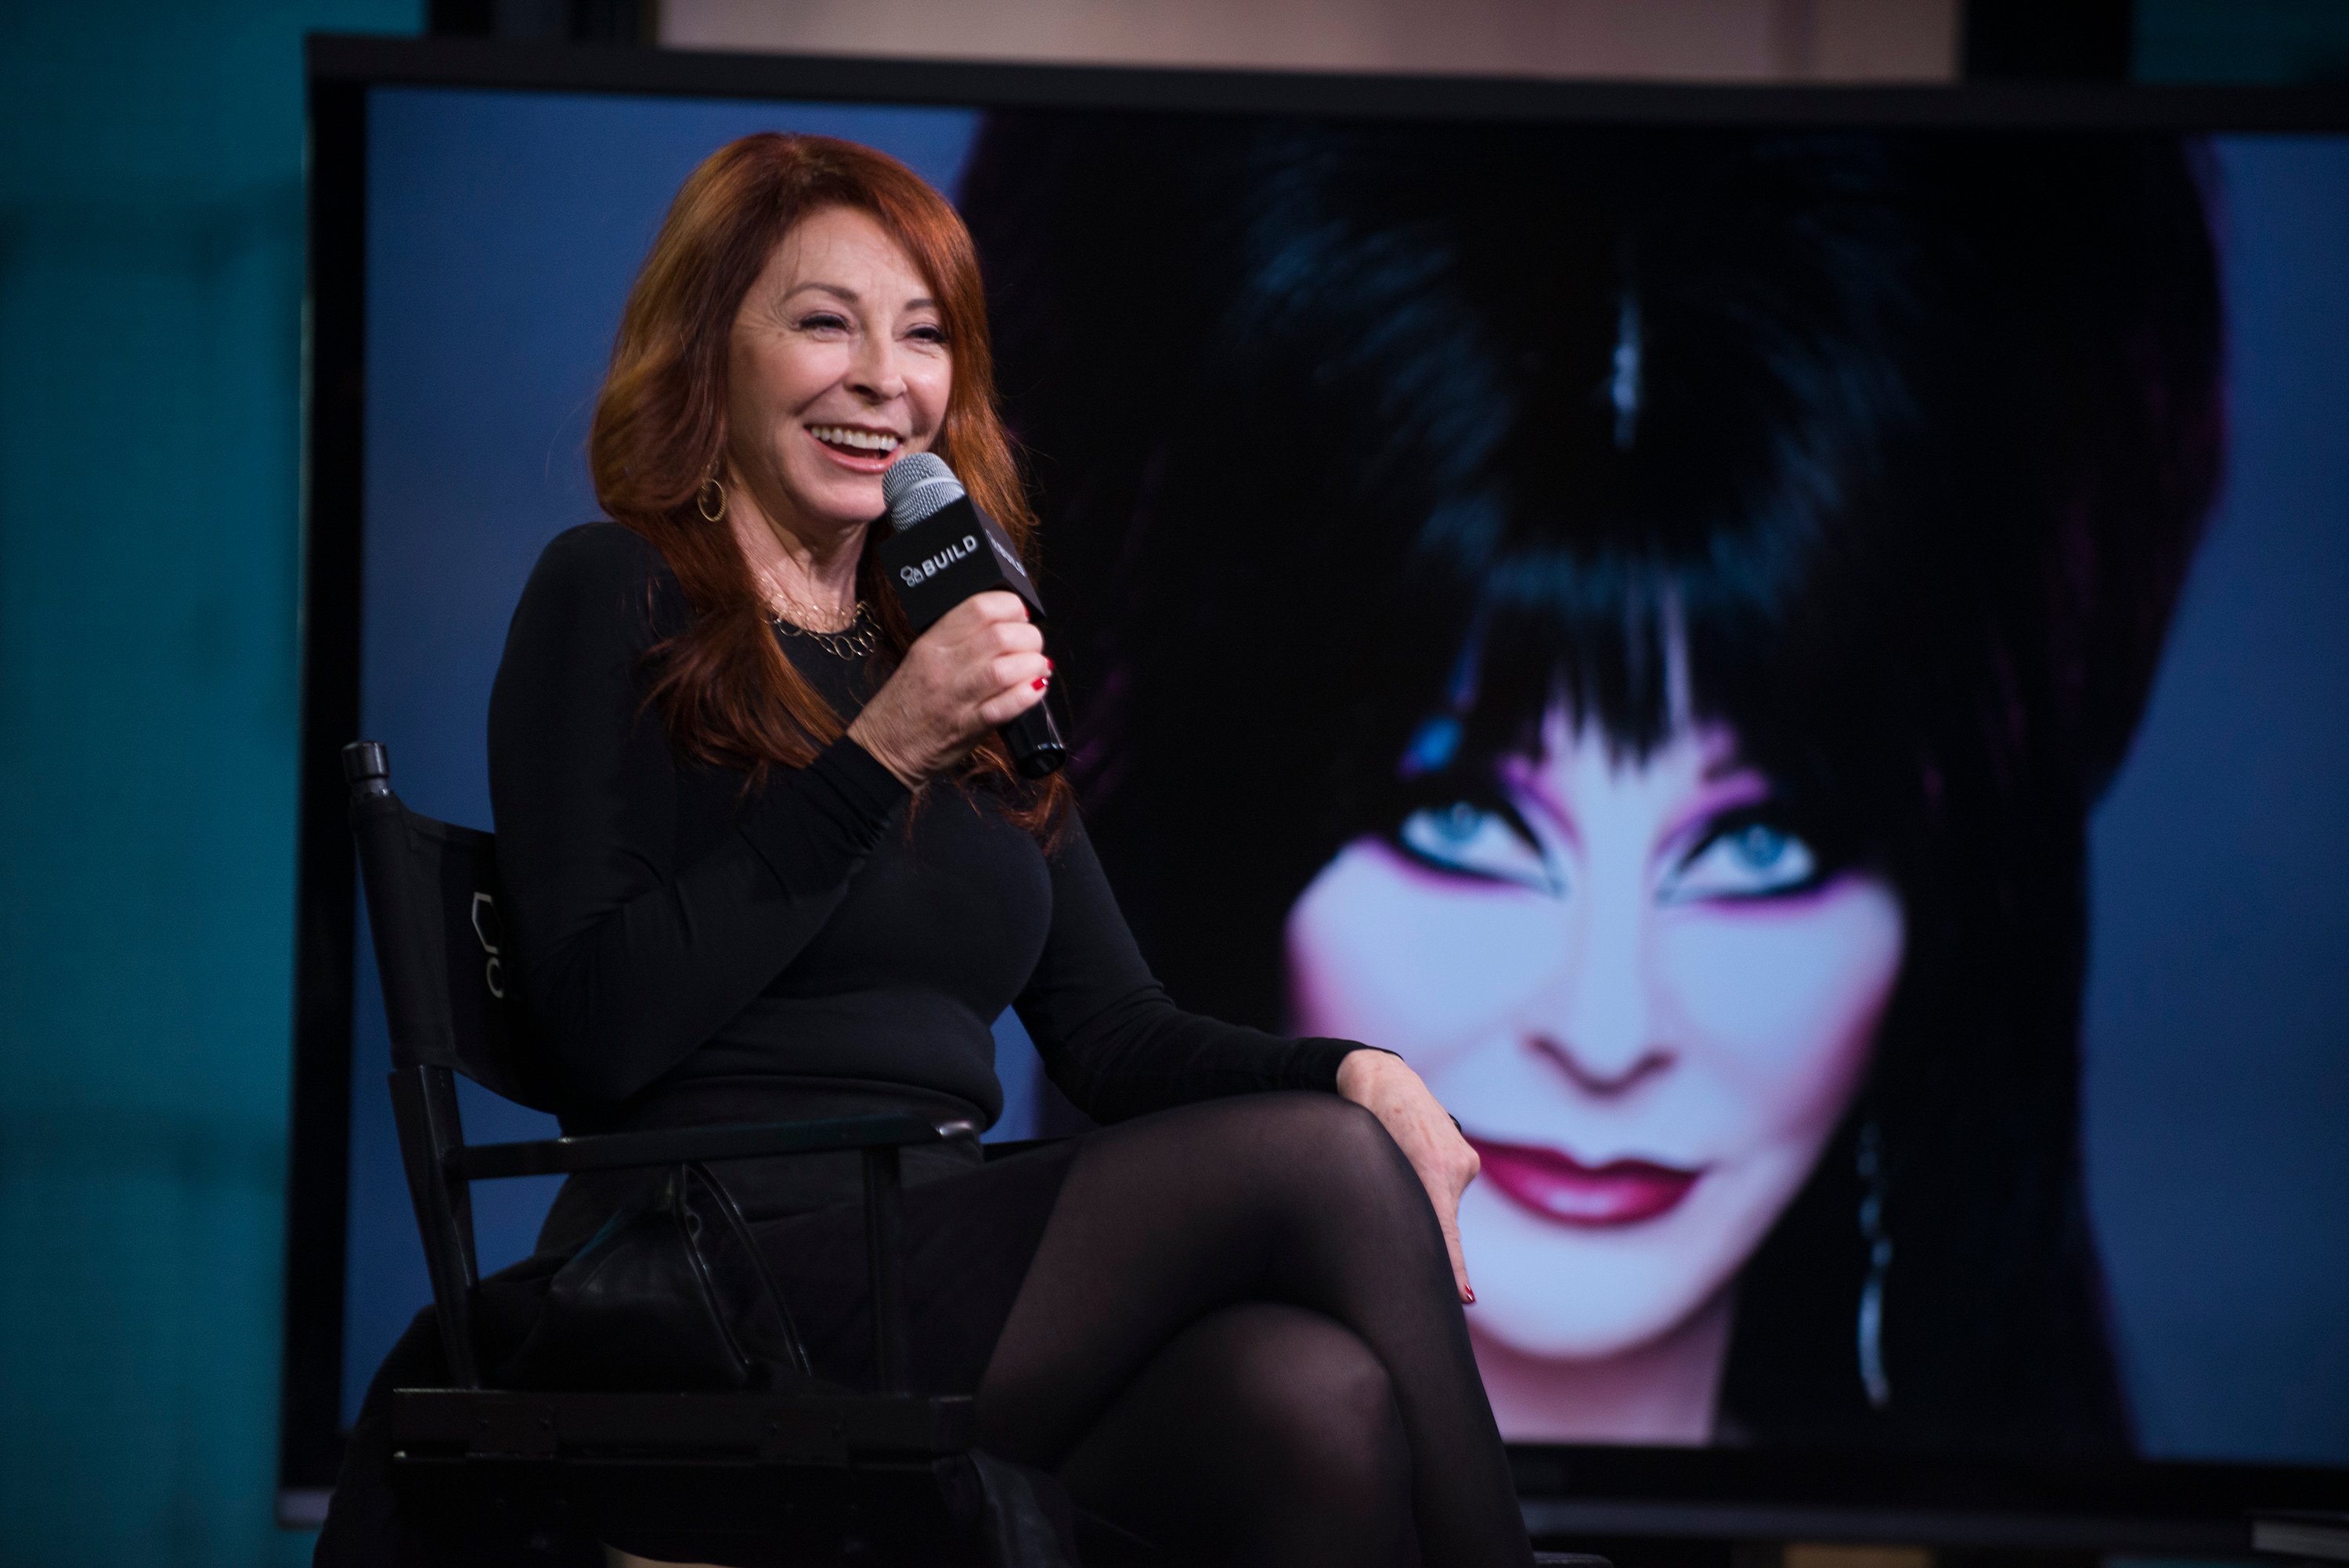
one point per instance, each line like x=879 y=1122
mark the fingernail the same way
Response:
x=1038 y=683
x=1048 y=663
x=1467 y=1298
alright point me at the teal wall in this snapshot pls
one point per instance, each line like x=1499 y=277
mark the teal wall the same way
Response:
x=151 y=285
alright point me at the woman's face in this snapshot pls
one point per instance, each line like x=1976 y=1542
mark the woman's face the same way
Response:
x=838 y=363
x=1647 y=999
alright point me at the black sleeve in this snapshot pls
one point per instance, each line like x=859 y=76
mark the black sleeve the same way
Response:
x=1111 y=1037
x=628 y=959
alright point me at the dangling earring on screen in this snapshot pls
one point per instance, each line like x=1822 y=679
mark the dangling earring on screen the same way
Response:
x=1878 y=1238
x=701 y=502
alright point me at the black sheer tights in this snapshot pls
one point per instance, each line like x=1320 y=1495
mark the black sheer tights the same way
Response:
x=1240 y=1337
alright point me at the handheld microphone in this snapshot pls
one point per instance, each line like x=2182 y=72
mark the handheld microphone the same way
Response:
x=944 y=550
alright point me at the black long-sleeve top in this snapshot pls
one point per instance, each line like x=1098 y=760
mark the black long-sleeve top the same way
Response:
x=695 y=953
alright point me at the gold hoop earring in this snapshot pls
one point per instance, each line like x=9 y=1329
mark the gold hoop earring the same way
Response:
x=701 y=501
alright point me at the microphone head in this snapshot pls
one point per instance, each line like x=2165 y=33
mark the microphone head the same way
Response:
x=917 y=485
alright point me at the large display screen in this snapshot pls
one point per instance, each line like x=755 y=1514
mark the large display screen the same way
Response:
x=1798 y=676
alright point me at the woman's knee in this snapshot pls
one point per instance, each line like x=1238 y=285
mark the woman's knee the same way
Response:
x=1325 y=1138
x=1342 y=1162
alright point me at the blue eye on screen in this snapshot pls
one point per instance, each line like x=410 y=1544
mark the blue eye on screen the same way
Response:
x=1473 y=841
x=1754 y=861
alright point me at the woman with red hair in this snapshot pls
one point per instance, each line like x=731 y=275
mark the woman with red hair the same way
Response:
x=766 y=860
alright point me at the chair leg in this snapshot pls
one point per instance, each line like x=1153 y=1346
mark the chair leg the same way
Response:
x=884 y=1243
x=428 y=1128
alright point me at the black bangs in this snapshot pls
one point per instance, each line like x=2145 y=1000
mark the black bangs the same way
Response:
x=1892 y=446
x=1680 y=454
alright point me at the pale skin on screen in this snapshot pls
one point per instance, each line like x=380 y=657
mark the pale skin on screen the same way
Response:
x=1664 y=980
x=839 y=365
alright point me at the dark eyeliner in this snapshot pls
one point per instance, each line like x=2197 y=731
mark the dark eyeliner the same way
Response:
x=1484 y=799
x=1773 y=816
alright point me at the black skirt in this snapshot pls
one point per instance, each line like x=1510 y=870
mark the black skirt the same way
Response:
x=973 y=1217
x=969 y=1238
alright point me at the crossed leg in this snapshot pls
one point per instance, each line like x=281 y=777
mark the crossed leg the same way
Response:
x=1241 y=1336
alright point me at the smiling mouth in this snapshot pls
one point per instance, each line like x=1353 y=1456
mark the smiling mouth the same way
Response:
x=851 y=441
x=1552 y=1185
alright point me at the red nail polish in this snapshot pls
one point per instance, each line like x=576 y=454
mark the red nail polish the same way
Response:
x=1038 y=683
x=1468 y=1298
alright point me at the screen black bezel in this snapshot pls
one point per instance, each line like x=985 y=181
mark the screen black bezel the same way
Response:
x=2153 y=1506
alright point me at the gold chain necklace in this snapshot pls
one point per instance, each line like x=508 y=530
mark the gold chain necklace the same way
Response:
x=854 y=641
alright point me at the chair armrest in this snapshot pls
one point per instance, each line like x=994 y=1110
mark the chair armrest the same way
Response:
x=1010 y=1148
x=672 y=1146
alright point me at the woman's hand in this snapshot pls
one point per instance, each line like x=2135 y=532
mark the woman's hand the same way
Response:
x=982 y=664
x=1384 y=1085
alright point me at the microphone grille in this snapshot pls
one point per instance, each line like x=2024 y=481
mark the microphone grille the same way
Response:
x=917 y=485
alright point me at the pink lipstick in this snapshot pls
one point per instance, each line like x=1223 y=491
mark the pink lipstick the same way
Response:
x=1555 y=1186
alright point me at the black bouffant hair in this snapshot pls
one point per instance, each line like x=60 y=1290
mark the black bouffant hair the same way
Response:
x=1360 y=446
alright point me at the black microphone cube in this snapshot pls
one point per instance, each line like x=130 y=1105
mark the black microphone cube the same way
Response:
x=956 y=551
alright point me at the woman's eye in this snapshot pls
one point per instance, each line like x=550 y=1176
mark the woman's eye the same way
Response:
x=823 y=321
x=1753 y=859
x=1473 y=842
x=934 y=336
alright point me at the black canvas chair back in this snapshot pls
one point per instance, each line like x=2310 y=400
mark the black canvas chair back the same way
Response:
x=432 y=898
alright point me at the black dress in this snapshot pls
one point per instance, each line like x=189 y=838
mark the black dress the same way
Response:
x=825 y=946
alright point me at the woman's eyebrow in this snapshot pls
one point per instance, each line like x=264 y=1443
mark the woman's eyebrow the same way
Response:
x=1721 y=792
x=1721 y=760
x=847 y=295
x=841 y=292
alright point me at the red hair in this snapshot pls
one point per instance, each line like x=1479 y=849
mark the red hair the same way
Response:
x=725 y=690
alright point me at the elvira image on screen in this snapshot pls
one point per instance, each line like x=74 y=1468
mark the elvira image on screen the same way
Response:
x=1637 y=622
